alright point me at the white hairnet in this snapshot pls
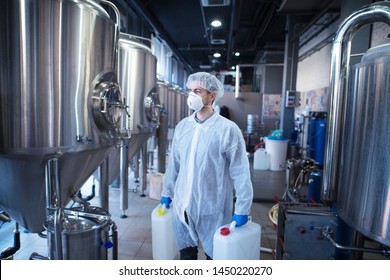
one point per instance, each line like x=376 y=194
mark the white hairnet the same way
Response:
x=207 y=81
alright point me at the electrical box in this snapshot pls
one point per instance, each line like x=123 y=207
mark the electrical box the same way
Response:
x=291 y=98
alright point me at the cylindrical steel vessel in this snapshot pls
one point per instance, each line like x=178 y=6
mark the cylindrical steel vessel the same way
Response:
x=356 y=163
x=376 y=12
x=59 y=98
x=138 y=82
x=162 y=90
x=178 y=105
x=137 y=78
x=85 y=235
x=171 y=106
x=364 y=182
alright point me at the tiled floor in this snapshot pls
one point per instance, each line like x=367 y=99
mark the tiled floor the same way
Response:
x=134 y=232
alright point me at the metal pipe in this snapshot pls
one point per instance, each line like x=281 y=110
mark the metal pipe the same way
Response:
x=162 y=136
x=159 y=30
x=36 y=256
x=314 y=20
x=114 y=241
x=237 y=83
x=54 y=201
x=144 y=156
x=124 y=178
x=338 y=79
x=103 y=184
x=231 y=31
x=206 y=29
x=327 y=233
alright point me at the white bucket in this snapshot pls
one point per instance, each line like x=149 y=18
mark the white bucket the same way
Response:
x=163 y=238
x=277 y=149
x=242 y=243
x=261 y=160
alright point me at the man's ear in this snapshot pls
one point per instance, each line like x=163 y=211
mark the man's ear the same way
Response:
x=214 y=96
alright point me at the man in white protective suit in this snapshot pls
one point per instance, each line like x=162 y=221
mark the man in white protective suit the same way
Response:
x=207 y=165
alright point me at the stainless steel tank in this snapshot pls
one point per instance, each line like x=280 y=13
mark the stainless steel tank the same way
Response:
x=137 y=78
x=162 y=90
x=171 y=106
x=357 y=168
x=59 y=98
x=85 y=235
x=179 y=106
x=364 y=183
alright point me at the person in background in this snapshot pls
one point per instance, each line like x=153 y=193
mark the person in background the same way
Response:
x=207 y=165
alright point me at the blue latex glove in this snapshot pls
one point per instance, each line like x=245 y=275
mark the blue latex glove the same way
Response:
x=166 y=200
x=239 y=219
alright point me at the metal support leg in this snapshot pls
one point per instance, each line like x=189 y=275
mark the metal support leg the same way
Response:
x=103 y=186
x=54 y=202
x=124 y=179
x=136 y=167
x=144 y=158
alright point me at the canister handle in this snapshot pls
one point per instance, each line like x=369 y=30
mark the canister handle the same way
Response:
x=233 y=224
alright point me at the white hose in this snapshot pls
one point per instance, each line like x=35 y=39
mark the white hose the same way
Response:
x=266 y=250
x=273 y=214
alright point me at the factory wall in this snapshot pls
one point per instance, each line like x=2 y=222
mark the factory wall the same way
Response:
x=313 y=74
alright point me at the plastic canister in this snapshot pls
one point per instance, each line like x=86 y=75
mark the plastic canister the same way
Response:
x=277 y=149
x=163 y=238
x=241 y=243
x=156 y=184
x=261 y=159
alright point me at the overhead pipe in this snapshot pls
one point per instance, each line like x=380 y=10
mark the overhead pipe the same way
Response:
x=328 y=5
x=377 y=12
x=233 y=22
x=206 y=28
x=159 y=30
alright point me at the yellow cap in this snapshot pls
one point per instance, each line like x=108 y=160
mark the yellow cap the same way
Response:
x=161 y=211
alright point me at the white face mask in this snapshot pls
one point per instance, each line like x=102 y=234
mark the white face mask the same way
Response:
x=194 y=101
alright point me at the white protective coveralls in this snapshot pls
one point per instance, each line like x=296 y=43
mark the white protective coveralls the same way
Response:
x=207 y=162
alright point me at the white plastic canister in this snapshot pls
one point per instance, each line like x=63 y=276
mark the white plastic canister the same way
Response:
x=237 y=243
x=163 y=238
x=261 y=160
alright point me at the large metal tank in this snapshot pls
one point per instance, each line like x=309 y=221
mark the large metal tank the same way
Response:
x=171 y=106
x=357 y=161
x=179 y=105
x=59 y=99
x=137 y=78
x=162 y=90
x=364 y=192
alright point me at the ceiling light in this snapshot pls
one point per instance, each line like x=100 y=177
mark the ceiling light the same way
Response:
x=237 y=54
x=218 y=41
x=217 y=54
x=233 y=67
x=216 y=23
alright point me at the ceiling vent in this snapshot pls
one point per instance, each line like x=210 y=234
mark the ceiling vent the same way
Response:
x=214 y=3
